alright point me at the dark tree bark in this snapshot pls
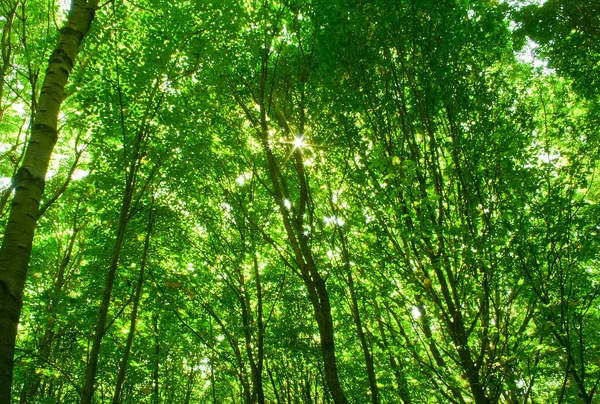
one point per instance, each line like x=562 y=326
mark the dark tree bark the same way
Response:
x=256 y=360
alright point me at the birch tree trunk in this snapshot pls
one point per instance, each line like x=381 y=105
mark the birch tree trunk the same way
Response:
x=29 y=184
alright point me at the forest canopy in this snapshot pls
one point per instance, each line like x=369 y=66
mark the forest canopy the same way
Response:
x=299 y=201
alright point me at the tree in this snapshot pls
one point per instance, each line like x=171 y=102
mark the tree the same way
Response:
x=568 y=33
x=29 y=184
x=351 y=202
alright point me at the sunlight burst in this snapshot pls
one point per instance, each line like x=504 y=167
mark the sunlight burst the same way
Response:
x=299 y=141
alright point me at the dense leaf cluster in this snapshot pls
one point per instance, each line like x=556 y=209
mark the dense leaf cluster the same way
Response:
x=311 y=201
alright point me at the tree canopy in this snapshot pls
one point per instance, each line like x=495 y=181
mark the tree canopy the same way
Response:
x=299 y=201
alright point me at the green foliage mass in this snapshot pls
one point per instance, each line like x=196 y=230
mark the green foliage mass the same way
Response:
x=397 y=154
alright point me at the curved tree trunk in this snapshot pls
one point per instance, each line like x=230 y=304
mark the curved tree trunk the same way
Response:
x=29 y=185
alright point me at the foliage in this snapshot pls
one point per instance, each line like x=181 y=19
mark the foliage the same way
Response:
x=391 y=164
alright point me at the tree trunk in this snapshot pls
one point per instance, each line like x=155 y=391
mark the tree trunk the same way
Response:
x=398 y=373
x=190 y=385
x=155 y=398
x=326 y=334
x=368 y=355
x=354 y=309
x=256 y=363
x=133 y=164
x=293 y=223
x=273 y=385
x=313 y=281
x=315 y=284
x=49 y=331
x=92 y=366
x=258 y=382
x=134 y=311
x=6 y=62
x=29 y=185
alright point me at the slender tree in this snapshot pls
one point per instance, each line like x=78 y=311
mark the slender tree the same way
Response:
x=134 y=312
